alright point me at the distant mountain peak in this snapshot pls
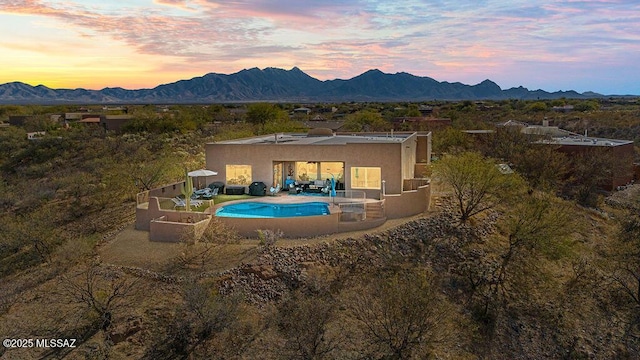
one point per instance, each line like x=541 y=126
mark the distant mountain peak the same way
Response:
x=275 y=84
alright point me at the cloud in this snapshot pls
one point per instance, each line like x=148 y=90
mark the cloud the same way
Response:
x=344 y=38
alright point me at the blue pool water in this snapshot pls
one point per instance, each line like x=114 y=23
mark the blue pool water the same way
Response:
x=269 y=210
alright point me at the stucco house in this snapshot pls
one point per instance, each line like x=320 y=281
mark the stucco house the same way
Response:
x=375 y=176
x=381 y=165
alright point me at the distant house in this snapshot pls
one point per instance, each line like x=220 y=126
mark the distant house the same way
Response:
x=302 y=110
x=91 y=120
x=73 y=116
x=35 y=135
x=114 y=122
x=564 y=108
x=425 y=110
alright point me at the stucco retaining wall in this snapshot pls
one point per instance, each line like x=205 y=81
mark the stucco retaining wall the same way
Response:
x=408 y=203
x=177 y=227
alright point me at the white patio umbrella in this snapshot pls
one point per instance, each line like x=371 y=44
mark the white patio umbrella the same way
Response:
x=201 y=173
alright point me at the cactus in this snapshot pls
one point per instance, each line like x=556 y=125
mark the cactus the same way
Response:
x=187 y=190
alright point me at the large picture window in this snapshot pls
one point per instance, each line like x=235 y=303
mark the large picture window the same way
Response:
x=319 y=170
x=238 y=174
x=307 y=171
x=366 y=178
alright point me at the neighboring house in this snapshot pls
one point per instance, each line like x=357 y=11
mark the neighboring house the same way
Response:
x=114 y=122
x=620 y=150
x=380 y=165
x=425 y=110
x=571 y=144
x=302 y=110
x=564 y=108
x=73 y=116
x=90 y=120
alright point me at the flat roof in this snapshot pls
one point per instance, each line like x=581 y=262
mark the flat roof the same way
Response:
x=336 y=139
x=585 y=141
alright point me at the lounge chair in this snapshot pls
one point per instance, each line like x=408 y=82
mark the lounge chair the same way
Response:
x=178 y=202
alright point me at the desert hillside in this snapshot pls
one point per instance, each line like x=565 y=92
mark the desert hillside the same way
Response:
x=546 y=268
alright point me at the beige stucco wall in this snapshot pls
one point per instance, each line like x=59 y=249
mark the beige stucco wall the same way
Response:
x=408 y=203
x=167 y=191
x=170 y=229
x=423 y=149
x=387 y=156
x=173 y=222
x=294 y=227
x=408 y=158
x=300 y=227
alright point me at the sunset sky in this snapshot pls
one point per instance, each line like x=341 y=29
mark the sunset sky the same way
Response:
x=551 y=45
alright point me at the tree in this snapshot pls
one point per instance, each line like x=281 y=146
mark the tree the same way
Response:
x=450 y=140
x=506 y=143
x=366 y=120
x=305 y=322
x=537 y=106
x=478 y=185
x=262 y=113
x=510 y=264
x=593 y=170
x=624 y=270
x=543 y=166
x=102 y=291
x=400 y=315
x=535 y=226
x=198 y=324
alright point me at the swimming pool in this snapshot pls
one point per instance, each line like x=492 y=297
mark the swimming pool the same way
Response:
x=253 y=209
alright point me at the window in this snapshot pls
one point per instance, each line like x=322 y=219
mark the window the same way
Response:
x=366 y=178
x=307 y=171
x=238 y=174
x=319 y=170
x=330 y=169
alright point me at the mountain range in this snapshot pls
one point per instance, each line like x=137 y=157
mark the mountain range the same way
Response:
x=273 y=84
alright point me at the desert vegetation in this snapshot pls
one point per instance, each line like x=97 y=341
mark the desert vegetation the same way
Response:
x=530 y=264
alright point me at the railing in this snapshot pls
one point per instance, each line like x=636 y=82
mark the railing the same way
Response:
x=352 y=211
x=351 y=194
x=414 y=184
x=360 y=211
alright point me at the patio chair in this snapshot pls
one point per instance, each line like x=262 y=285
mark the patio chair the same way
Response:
x=196 y=203
x=202 y=192
x=178 y=202
x=274 y=190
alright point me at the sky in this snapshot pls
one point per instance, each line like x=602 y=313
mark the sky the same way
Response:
x=134 y=44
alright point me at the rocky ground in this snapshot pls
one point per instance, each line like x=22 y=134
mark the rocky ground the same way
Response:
x=626 y=198
x=277 y=270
